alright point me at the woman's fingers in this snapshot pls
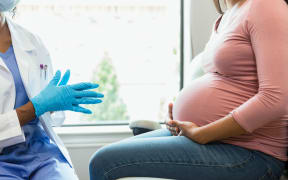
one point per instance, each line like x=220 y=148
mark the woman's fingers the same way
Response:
x=84 y=86
x=172 y=130
x=170 y=107
x=55 y=79
x=179 y=126
x=176 y=123
x=81 y=109
x=177 y=130
x=171 y=123
x=87 y=101
x=65 y=78
x=173 y=133
x=92 y=94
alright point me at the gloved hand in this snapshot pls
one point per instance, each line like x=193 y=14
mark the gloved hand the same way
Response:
x=61 y=97
x=65 y=78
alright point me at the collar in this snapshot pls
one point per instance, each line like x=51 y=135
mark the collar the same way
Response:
x=20 y=37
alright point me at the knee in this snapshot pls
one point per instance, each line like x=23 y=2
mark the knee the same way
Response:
x=99 y=163
x=96 y=165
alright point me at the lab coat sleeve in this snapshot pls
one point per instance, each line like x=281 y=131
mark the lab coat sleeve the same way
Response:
x=10 y=130
x=58 y=118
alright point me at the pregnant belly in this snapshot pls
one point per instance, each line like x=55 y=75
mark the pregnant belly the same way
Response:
x=210 y=98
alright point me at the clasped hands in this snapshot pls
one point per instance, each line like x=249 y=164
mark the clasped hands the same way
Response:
x=182 y=128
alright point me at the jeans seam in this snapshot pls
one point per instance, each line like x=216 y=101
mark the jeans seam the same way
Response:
x=106 y=173
x=272 y=175
x=94 y=167
x=268 y=173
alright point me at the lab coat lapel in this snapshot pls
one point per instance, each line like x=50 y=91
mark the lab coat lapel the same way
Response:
x=23 y=66
x=23 y=49
x=3 y=65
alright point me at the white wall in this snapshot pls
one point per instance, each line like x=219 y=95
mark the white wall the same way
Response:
x=203 y=15
x=82 y=146
x=80 y=157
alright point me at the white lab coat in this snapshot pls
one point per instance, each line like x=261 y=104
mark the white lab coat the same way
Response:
x=30 y=53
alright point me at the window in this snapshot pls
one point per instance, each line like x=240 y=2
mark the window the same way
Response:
x=130 y=47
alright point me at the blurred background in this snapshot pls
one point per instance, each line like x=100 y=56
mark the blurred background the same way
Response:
x=130 y=47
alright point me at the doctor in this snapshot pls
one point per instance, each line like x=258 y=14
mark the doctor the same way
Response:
x=29 y=149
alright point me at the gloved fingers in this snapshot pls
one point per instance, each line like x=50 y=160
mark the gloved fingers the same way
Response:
x=87 y=101
x=81 y=109
x=65 y=78
x=55 y=79
x=84 y=86
x=81 y=94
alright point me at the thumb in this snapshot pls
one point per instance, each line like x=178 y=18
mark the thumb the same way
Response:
x=55 y=79
x=65 y=78
x=170 y=108
x=177 y=123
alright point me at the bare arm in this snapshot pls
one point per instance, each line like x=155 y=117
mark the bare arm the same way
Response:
x=26 y=113
x=218 y=130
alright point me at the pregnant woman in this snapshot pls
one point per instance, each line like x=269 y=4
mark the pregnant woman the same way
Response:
x=233 y=119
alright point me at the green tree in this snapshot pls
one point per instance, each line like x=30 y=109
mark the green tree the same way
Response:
x=112 y=108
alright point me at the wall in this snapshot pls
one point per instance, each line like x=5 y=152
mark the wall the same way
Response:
x=203 y=15
x=82 y=142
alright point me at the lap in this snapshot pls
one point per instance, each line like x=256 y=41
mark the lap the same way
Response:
x=6 y=174
x=53 y=169
x=158 y=154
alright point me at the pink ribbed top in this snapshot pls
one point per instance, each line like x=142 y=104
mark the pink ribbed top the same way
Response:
x=246 y=60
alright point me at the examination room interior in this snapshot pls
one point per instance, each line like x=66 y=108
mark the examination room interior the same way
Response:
x=131 y=48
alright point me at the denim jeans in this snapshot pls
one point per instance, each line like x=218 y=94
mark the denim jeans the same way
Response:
x=159 y=154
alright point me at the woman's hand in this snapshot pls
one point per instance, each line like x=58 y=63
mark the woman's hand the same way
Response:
x=221 y=129
x=188 y=129
x=173 y=129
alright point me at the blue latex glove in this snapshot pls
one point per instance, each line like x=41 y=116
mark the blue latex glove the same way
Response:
x=61 y=97
x=65 y=78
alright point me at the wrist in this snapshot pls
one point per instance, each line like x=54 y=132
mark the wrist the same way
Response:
x=31 y=108
x=201 y=136
x=37 y=107
x=25 y=113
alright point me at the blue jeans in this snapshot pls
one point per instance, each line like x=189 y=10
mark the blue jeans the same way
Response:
x=159 y=154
